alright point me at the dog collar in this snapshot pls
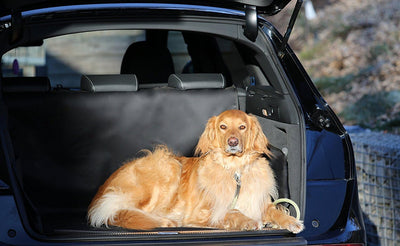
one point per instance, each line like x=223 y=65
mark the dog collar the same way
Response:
x=236 y=176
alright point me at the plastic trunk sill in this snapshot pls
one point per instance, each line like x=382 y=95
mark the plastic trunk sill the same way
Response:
x=162 y=234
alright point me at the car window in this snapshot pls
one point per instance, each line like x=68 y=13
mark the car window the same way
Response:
x=65 y=58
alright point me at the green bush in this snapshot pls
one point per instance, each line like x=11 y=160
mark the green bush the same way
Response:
x=329 y=85
x=370 y=111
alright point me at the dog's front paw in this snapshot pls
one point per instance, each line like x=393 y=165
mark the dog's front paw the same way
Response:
x=243 y=225
x=290 y=223
x=295 y=226
x=278 y=217
x=235 y=220
x=168 y=223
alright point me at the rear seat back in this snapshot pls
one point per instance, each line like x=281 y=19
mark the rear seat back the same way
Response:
x=79 y=139
x=25 y=84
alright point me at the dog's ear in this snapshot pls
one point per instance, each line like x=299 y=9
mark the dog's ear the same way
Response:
x=258 y=141
x=207 y=138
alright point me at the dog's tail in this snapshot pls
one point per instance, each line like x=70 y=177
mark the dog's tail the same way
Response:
x=110 y=210
x=104 y=210
x=120 y=198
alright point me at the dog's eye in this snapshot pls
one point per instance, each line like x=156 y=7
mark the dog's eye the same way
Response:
x=223 y=127
x=242 y=127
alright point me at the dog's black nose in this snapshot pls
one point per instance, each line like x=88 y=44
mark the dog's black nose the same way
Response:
x=232 y=141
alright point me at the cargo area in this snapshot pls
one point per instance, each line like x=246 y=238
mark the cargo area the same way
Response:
x=65 y=142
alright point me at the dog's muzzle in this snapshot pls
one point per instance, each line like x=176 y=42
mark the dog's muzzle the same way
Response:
x=233 y=146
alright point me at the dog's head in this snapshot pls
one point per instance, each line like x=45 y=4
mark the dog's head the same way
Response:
x=235 y=133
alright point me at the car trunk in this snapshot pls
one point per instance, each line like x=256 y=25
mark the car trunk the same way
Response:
x=66 y=144
x=63 y=144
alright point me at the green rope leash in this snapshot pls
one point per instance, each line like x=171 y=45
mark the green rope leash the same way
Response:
x=291 y=202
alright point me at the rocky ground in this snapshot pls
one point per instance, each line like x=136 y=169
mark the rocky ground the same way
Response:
x=352 y=53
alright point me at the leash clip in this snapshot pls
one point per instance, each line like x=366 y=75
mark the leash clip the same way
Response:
x=237 y=178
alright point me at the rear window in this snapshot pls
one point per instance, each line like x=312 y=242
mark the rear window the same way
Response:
x=64 y=59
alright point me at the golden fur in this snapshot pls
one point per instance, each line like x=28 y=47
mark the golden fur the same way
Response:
x=164 y=190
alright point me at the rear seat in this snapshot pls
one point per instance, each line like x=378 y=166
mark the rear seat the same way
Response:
x=67 y=144
x=25 y=84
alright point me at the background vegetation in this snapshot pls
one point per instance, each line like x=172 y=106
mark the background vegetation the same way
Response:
x=351 y=50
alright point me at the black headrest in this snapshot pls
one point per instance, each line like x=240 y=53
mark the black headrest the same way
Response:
x=26 y=84
x=150 y=62
x=196 y=81
x=109 y=82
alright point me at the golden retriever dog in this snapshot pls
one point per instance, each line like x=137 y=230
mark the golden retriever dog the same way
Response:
x=228 y=186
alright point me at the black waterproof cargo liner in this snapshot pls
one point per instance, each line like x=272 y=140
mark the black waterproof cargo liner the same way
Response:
x=66 y=144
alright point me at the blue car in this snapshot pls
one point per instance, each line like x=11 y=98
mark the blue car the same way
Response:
x=87 y=84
